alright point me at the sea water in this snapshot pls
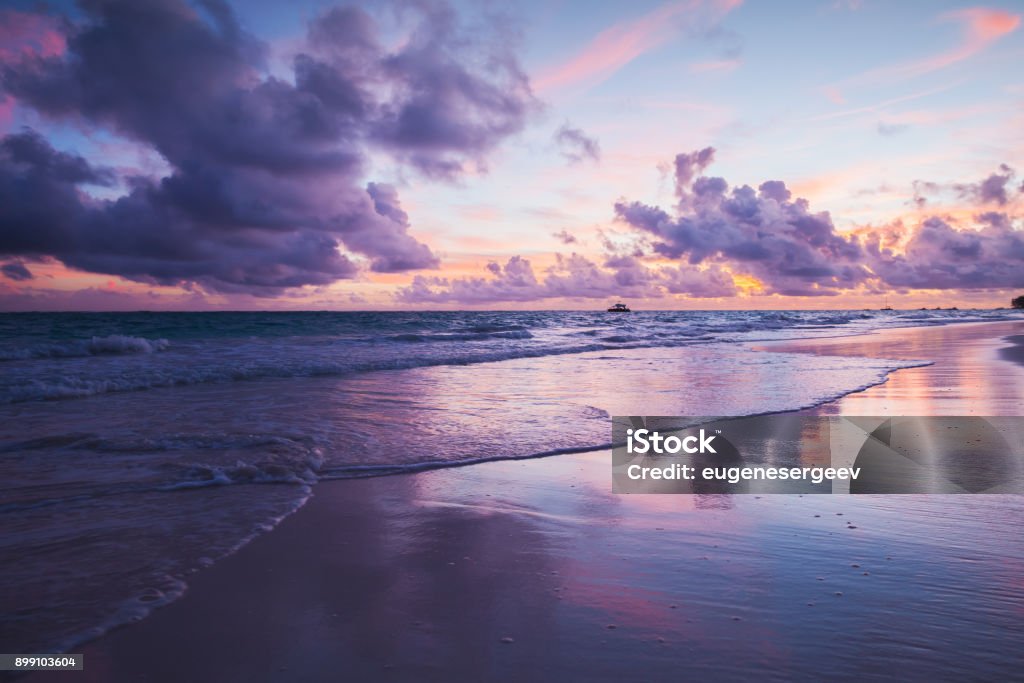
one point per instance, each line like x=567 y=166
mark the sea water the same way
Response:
x=137 y=448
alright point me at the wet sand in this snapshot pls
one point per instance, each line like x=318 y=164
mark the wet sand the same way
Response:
x=1015 y=352
x=533 y=570
x=970 y=374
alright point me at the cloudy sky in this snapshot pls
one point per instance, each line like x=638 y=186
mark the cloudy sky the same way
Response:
x=165 y=154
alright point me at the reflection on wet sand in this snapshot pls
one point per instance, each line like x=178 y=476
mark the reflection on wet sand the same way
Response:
x=532 y=570
x=970 y=375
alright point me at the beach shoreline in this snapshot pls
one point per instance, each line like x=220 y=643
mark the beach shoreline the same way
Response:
x=533 y=569
x=976 y=369
x=1014 y=353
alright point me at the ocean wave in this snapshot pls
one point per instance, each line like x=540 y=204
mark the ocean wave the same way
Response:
x=68 y=387
x=278 y=459
x=300 y=466
x=463 y=336
x=384 y=470
x=111 y=345
x=133 y=362
x=161 y=589
x=490 y=329
x=362 y=471
x=119 y=343
x=197 y=475
x=188 y=442
x=221 y=459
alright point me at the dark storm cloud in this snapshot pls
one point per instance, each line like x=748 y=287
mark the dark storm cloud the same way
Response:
x=577 y=146
x=266 y=181
x=15 y=270
x=40 y=203
x=29 y=150
x=386 y=239
x=447 y=112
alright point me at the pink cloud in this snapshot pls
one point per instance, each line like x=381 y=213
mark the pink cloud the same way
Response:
x=878 y=106
x=24 y=34
x=981 y=28
x=6 y=113
x=620 y=44
x=834 y=95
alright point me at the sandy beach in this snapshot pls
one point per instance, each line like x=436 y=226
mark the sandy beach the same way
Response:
x=969 y=374
x=516 y=570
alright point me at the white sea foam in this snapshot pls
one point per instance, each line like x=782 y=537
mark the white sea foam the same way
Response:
x=113 y=344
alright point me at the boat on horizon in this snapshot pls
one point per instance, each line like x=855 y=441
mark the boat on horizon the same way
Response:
x=619 y=308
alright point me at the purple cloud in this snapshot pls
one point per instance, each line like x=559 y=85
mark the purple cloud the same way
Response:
x=938 y=256
x=689 y=166
x=16 y=270
x=566 y=237
x=890 y=129
x=780 y=241
x=990 y=190
x=793 y=250
x=996 y=188
x=267 y=188
x=712 y=282
x=572 y=277
x=576 y=146
x=716 y=231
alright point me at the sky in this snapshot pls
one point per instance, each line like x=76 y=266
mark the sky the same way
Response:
x=413 y=154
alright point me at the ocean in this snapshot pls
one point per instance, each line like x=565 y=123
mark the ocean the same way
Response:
x=138 y=448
